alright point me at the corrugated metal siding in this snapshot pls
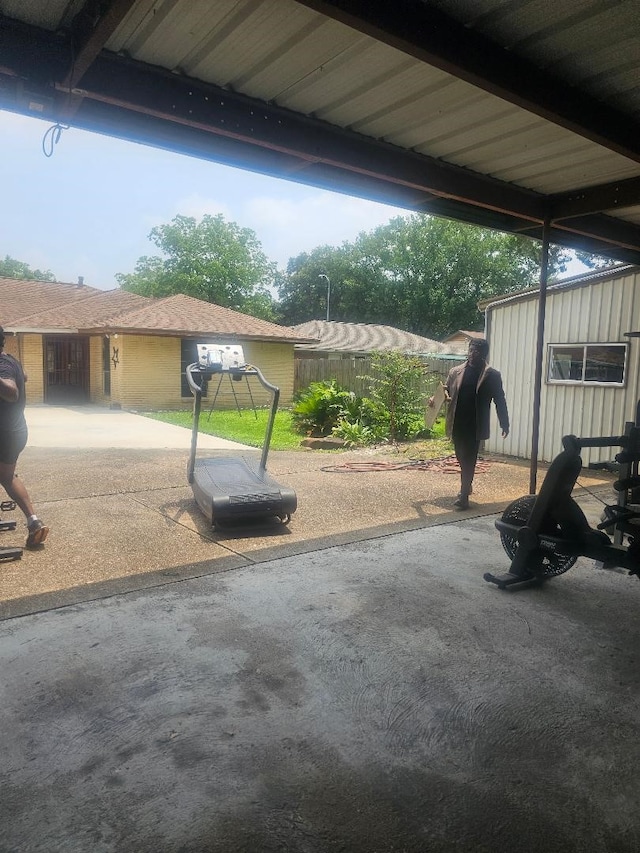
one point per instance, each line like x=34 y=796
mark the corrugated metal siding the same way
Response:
x=600 y=312
x=588 y=42
x=512 y=338
x=49 y=15
x=287 y=54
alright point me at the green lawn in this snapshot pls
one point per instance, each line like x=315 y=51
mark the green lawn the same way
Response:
x=248 y=427
x=245 y=427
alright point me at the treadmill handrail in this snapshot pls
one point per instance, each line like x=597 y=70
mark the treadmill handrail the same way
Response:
x=196 y=390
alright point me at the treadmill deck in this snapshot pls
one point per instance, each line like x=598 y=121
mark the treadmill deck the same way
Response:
x=234 y=487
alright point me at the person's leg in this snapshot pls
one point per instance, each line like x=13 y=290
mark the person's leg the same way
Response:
x=468 y=466
x=15 y=488
x=12 y=444
x=466 y=450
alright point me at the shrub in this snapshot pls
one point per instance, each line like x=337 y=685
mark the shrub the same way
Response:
x=394 y=410
x=395 y=388
x=319 y=408
x=354 y=434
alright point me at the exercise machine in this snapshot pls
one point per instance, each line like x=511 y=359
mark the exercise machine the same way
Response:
x=231 y=489
x=544 y=534
x=9 y=553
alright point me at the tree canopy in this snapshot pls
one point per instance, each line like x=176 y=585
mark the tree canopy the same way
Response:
x=213 y=260
x=420 y=273
x=10 y=268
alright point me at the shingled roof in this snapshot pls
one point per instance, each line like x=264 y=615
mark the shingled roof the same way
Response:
x=95 y=309
x=21 y=297
x=186 y=316
x=38 y=306
x=363 y=337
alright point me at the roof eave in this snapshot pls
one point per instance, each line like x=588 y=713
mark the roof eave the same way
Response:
x=572 y=283
x=187 y=333
x=39 y=330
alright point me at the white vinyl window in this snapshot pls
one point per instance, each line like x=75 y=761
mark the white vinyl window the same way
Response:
x=587 y=364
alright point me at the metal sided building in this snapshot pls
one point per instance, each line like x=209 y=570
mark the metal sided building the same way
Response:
x=590 y=367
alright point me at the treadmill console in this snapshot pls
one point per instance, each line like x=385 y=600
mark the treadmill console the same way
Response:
x=221 y=357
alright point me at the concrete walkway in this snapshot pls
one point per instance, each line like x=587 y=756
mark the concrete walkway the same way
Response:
x=347 y=683
x=78 y=427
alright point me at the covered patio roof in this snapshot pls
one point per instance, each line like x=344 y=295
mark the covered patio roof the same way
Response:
x=502 y=113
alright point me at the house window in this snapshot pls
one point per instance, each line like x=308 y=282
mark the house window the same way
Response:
x=587 y=364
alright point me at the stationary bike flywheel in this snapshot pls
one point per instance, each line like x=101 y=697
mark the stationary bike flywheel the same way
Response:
x=541 y=564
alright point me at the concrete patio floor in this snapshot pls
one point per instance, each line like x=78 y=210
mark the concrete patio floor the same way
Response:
x=124 y=518
x=360 y=690
x=369 y=697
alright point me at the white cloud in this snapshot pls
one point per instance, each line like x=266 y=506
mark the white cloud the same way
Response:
x=133 y=189
x=271 y=212
x=198 y=206
x=287 y=227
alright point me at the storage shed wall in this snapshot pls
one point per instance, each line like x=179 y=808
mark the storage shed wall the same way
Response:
x=594 y=312
x=511 y=332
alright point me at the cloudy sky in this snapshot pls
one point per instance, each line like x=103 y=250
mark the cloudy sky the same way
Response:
x=87 y=210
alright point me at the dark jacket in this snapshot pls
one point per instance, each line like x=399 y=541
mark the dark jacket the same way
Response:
x=489 y=388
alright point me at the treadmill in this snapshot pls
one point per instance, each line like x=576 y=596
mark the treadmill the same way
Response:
x=230 y=489
x=9 y=553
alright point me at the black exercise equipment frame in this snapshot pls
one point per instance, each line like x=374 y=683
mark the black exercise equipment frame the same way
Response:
x=9 y=553
x=545 y=533
x=255 y=492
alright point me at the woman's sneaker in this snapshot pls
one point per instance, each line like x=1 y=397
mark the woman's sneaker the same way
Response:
x=37 y=533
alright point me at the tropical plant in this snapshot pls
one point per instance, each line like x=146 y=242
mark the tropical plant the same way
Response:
x=318 y=409
x=354 y=434
x=394 y=410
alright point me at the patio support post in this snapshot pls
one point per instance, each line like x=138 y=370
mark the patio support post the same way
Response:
x=537 y=382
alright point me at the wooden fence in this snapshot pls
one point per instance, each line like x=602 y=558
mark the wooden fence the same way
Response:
x=348 y=373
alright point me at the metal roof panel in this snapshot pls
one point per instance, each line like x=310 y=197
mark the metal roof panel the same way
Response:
x=465 y=88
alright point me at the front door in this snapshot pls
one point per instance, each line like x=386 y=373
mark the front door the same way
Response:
x=66 y=370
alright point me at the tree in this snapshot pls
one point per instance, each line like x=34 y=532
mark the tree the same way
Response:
x=594 y=262
x=302 y=291
x=10 y=268
x=420 y=273
x=212 y=260
x=395 y=386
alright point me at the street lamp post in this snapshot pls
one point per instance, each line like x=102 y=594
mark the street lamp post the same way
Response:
x=326 y=278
